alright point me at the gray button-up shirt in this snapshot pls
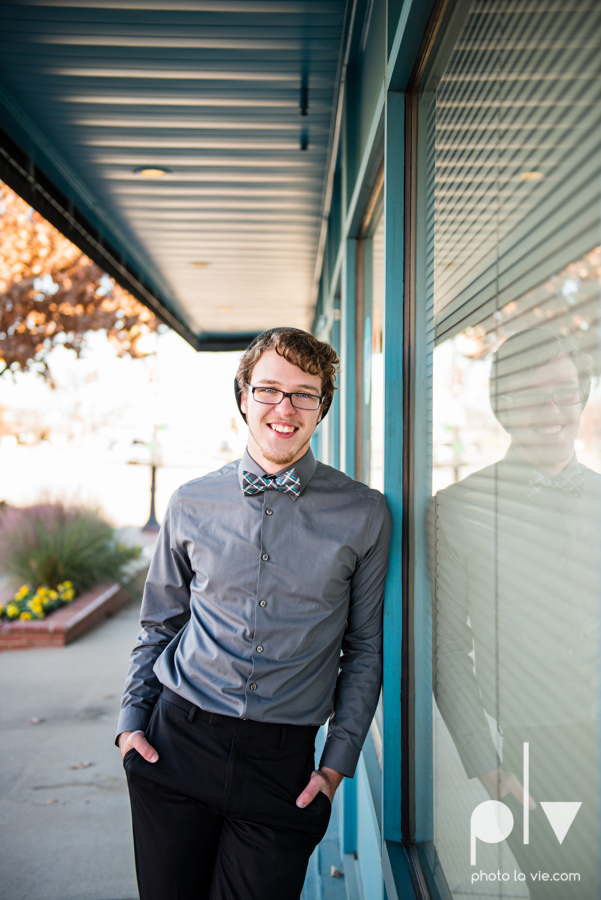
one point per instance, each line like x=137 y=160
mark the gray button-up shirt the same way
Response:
x=300 y=578
x=517 y=604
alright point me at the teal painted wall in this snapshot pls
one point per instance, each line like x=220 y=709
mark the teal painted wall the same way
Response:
x=374 y=822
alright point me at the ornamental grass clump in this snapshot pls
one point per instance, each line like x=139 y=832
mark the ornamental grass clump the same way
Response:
x=57 y=552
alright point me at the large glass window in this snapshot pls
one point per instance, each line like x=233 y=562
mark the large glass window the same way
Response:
x=374 y=352
x=370 y=272
x=371 y=389
x=376 y=359
x=512 y=147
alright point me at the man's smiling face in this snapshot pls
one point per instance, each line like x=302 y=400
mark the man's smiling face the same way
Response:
x=545 y=436
x=279 y=434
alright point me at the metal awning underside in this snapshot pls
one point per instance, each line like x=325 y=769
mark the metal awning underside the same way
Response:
x=210 y=90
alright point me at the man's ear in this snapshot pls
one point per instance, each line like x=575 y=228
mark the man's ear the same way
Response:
x=243 y=400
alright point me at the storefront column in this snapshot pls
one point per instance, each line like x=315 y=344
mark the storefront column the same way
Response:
x=393 y=738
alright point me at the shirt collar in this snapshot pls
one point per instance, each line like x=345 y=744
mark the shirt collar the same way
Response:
x=304 y=468
x=513 y=458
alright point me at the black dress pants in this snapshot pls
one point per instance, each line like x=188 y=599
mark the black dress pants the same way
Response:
x=215 y=818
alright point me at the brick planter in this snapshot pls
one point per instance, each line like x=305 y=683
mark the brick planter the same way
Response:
x=65 y=624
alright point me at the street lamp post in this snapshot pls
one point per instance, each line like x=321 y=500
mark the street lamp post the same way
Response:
x=152 y=524
x=155 y=462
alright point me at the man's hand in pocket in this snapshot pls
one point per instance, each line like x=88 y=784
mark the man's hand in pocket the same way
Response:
x=135 y=740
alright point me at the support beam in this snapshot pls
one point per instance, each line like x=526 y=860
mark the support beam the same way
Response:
x=393 y=738
x=422 y=339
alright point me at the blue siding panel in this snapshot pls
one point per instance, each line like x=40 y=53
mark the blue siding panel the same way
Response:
x=368 y=838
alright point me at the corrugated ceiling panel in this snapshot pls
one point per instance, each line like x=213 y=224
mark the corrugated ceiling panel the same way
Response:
x=209 y=91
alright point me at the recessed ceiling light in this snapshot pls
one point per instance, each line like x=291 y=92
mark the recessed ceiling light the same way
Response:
x=151 y=171
x=225 y=309
x=531 y=176
x=200 y=265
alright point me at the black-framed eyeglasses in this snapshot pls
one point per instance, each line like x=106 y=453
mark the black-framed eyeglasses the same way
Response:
x=271 y=396
x=565 y=397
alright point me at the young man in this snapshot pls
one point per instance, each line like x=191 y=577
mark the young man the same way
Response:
x=261 y=619
x=517 y=612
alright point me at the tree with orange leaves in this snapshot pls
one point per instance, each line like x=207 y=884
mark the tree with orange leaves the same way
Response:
x=51 y=293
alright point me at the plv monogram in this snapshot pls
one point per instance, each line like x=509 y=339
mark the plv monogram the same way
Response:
x=492 y=821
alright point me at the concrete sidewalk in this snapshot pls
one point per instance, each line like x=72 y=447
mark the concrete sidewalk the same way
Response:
x=66 y=832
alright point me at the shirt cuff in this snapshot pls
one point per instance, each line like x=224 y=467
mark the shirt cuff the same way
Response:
x=340 y=756
x=131 y=719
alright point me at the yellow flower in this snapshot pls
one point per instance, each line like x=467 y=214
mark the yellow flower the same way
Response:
x=12 y=610
x=1 y=609
x=22 y=592
x=25 y=616
x=53 y=595
x=35 y=605
x=68 y=584
x=68 y=595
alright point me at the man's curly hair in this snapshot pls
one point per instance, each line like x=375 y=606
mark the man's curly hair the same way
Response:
x=300 y=348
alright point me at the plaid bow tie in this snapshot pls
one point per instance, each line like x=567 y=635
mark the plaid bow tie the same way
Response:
x=288 y=482
x=571 y=485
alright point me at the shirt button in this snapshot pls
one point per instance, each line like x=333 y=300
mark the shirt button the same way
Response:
x=259 y=649
x=264 y=557
x=262 y=602
x=562 y=559
x=566 y=606
x=268 y=512
x=253 y=687
x=556 y=513
x=569 y=651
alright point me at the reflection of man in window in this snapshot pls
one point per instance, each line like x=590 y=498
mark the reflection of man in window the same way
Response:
x=517 y=594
